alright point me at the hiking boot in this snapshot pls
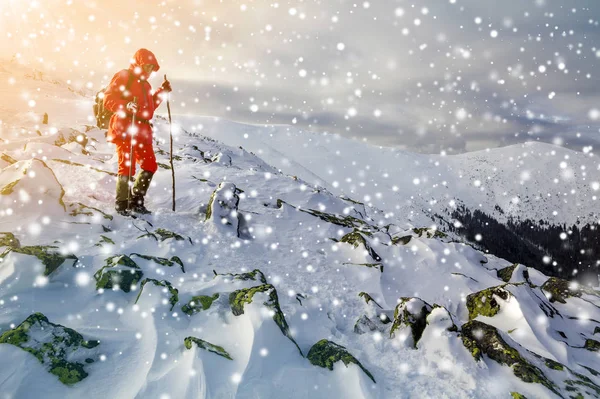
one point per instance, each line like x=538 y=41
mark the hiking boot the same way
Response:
x=139 y=190
x=137 y=205
x=121 y=208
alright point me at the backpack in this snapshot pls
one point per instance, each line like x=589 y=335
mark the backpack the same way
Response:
x=102 y=114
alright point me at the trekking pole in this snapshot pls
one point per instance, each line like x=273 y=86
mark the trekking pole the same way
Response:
x=133 y=129
x=171 y=139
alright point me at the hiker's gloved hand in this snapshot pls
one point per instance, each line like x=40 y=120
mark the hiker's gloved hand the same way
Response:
x=166 y=86
x=132 y=107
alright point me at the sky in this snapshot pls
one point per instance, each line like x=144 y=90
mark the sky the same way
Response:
x=434 y=76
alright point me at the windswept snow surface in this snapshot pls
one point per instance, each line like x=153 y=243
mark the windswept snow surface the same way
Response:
x=527 y=181
x=315 y=250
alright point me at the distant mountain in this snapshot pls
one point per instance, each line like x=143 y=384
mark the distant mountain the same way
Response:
x=549 y=191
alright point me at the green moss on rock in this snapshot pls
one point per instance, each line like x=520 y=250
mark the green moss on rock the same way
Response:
x=551 y=364
x=206 y=346
x=68 y=373
x=223 y=202
x=49 y=255
x=9 y=240
x=559 y=290
x=516 y=395
x=119 y=270
x=55 y=346
x=8 y=188
x=86 y=210
x=584 y=384
x=238 y=299
x=104 y=240
x=591 y=371
x=326 y=353
x=162 y=261
x=357 y=239
x=484 y=302
x=198 y=304
x=368 y=298
x=7 y=158
x=254 y=275
x=592 y=345
x=411 y=312
x=351 y=200
x=481 y=338
x=345 y=221
x=506 y=273
x=401 y=240
x=161 y=234
x=173 y=299
x=84 y=166
x=429 y=232
x=177 y=259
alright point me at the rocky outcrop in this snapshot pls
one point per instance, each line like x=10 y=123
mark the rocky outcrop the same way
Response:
x=198 y=304
x=202 y=344
x=238 y=299
x=222 y=208
x=357 y=239
x=506 y=273
x=254 y=275
x=62 y=350
x=119 y=272
x=340 y=220
x=78 y=208
x=404 y=240
x=485 y=303
x=429 y=232
x=49 y=255
x=9 y=240
x=558 y=290
x=375 y=320
x=411 y=313
x=162 y=261
x=482 y=339
x=161 y=234
x=174 y=292
x=326 y=353
x=365 y=324
x=592 y=345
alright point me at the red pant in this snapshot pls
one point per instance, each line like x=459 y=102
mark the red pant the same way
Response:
x=143 y=153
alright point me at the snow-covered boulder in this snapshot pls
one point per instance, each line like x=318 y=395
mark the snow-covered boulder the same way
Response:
x=29 y=188
x=222 y=210
x=410 y=318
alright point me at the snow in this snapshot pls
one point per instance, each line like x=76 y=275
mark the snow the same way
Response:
x=142 y=343
x=386 y=177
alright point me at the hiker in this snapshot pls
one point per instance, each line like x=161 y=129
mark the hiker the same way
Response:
x=125 y=86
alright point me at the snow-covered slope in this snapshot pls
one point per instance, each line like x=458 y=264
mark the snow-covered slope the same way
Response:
x=527 y=181
x=262 y=284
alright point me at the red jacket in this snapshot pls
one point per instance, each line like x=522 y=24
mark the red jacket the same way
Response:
x=116 y=98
